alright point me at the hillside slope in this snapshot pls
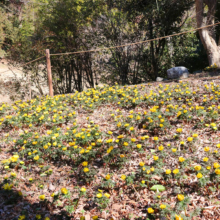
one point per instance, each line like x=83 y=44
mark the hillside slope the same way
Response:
x=101 y=154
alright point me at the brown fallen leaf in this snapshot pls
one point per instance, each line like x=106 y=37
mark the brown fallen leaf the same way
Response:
x=116 y=206
x=87 y=216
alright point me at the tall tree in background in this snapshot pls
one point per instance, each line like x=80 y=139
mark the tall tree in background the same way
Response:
x=205 y=15
x=158 y=18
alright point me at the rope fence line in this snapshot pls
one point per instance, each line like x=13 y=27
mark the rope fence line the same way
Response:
x=125 y=45
x=25 y=64
x=140 y=42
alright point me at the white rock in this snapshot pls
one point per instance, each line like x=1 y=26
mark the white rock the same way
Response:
x=178 y=72
x=159 y=79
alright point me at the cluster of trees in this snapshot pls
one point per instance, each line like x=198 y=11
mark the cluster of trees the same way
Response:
x=27 y=28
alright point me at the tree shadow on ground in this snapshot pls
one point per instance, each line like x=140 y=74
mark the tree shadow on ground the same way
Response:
x=13 y=205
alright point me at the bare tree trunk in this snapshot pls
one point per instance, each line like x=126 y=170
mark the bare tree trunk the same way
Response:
x=207 y=35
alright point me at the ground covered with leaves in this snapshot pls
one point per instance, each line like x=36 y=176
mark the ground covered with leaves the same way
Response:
x=123 y=152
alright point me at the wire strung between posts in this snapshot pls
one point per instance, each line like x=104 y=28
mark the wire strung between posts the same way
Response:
x=25 y=64
x=140 y=42
x=125 y=45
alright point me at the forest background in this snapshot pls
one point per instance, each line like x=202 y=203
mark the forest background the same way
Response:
x=27 y=28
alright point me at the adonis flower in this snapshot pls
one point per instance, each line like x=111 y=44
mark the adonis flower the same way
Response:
x=181 y=159
x=162 y=206
x=190 y=139
x=160 y=148
x=64 y=191
x=141 y=164
x=86 y=170
x=197 y=167
x=199 y=175
x=123 y=177
x=150 y=210
x=42 y=197
x=180 y=197
x=168 y=172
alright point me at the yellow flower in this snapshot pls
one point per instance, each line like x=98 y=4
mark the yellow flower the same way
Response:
x=199 y=175
x=107 y=177
x=155 y=158
x=49 y=132
x=7 y=186
x=123 y=177
x=21 y=217
x=168 y=172
x=162 y=206
x=107 y=195
x=139 y=146
x=197 y=167
x=176 y=171
x=206 y=149
x=52 y=195
x=179 y=130
x=216 y=165
x=155 y=138
x=141 y=164
x=38 y=216
x=14 y=158
x=86 y=170
x=182 y=142
x=64 y=191
x=42 y=197
x=181 y=159
x=217 y=171
x=180 y=197
x=205 y=159
x=148 y=171
x=174 y=150
x=195 y=135
x=208 y=167
x=177 y=217
x=82 y=151
x=125 y=144
x=133 y=139
x=160 y=148
x=218 y=145
x=143 y=182
x=189 y=139
x=13 y=174
x=85 y=163
x=122 y=155
x=150 y=210
x=83 y=189
x=36 y=157
x=47 y=218
x=99 y=195
x=152 y=169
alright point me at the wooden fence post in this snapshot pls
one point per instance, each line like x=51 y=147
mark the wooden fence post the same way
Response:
x=49 y=75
